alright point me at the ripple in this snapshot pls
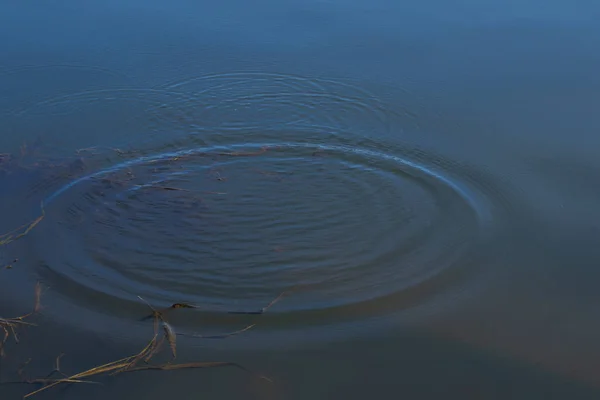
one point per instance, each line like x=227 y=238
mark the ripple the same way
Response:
x=114 y=117
x=234 y=104
x=352 y=232
x=24 y=86
x=247 y=100
x=241 y=186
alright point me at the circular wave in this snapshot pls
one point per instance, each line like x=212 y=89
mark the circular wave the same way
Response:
x=254 y=184
x=23 y=87
x=234 y=104
x=101 y=117
x=345 y=229
x=237 y=101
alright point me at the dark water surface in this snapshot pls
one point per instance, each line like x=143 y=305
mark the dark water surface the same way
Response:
x=419 y=178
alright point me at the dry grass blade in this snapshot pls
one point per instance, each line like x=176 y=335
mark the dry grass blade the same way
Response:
x=221 y=336
x=156 y=315
x=21 y=370
x=130 y=364
x=10 y=236
x=264 y=309
x=169 y=332
x=12 y=322
x=155 y=350
x=57 y=362
x=109 y=367
x=112 y=366
x=36 y=308
x=171 y=337
x=150 y=349
x=4 y=340
x=154 y=345
x=273 y=302
x=9 y=325
x=57 y=369
x=226 y=335
x=48 y=381
x=148 y=304
x=14 y=333
x=171 y=367
x=194 y=365
x=38 y=297
x=65 y=380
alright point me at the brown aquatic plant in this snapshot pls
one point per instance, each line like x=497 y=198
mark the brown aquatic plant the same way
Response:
x=10 y=326
x=132 y=363
x=22 y=230
x=48 y=379
x=234 y=333
x=171 y=337
x=163 y=331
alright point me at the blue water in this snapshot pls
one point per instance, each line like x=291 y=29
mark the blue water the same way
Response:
x=418 y=178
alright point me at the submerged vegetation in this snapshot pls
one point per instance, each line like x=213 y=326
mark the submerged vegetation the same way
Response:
x=23 y=230
x=10 y=326
x=163 y=333
x=164 y=336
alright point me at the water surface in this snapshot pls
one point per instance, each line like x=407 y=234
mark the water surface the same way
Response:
x=414 y=183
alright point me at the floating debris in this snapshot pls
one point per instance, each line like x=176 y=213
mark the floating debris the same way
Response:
x=21 y=231
x=10 y=326
x=132 y=363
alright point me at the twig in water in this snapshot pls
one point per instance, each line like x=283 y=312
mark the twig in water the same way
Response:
x=105 y=368
x=171 y=337
x=208 y=364
x=9 y=325
x=129 y=364
x=220 y=336
x=226 y=335
x=264 y=309
x=21 y=370
x=13 y=235
x=57 y=362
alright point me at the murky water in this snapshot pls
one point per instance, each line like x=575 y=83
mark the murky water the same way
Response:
x=374 y=198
